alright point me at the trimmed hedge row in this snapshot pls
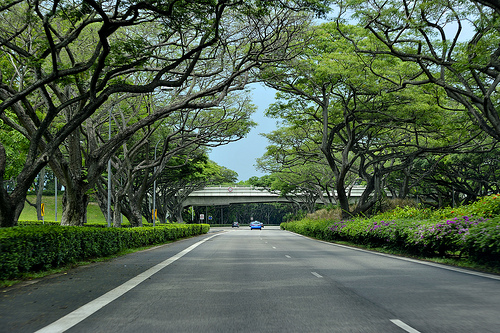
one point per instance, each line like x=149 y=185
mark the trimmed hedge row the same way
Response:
x=477 y=238
x=35 y=248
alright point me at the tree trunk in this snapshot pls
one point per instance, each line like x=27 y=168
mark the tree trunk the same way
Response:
x=39 y=194
x=101 y=195
x=135 y=218
x=117 y=221
x=9 y=209
x=74 y=207
x=343 y=200
x=178 y=216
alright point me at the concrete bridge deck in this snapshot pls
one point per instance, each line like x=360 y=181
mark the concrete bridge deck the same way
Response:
x=225 y=195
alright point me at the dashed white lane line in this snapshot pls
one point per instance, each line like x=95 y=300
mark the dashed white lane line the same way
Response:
x=88 y=309
x=404 y=326
x=316 y=275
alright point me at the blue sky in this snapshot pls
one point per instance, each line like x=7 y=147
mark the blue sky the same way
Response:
x=240 y=156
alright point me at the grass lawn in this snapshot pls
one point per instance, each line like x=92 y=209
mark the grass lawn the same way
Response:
x=94 y=214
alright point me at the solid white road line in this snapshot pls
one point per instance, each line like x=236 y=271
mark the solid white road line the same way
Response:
x=402 y=325
x=88 y=309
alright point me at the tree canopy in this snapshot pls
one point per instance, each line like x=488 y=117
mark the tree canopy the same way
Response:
x=64 y=62
x=450 y=44
x=347 y=110
x=125 y=98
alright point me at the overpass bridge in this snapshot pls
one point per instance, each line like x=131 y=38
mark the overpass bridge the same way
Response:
x=225 y=195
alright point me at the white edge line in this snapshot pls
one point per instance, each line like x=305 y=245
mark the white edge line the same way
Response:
x=432 y=264
x=404 y=326
x=88 y=309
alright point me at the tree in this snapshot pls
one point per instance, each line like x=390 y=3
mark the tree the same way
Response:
x=452 y=44
x=336 y=106
x=452 y=179
x=53 y=82
x=264 y=181
x=178 y=182
x=309 y=181
x=137 y=165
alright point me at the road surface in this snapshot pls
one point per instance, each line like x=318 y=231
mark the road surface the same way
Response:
x=256 y=281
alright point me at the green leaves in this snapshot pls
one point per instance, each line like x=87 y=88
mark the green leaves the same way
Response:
x=16 y=147
x=130 y=50
x=410 y=230
x=34 y=248
x=450 y=44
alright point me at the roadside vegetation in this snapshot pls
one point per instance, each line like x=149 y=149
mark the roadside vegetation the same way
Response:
x=397 y=98
x=467 y=236
x=33 y=249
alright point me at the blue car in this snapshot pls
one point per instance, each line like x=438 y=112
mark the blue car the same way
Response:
x=256 y=225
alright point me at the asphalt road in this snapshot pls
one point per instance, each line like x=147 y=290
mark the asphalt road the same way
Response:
x=255 y=281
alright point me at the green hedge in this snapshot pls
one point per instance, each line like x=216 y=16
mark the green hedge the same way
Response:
x=472 y=230
x=483 y=242
x=34 y=248
x=476 y=238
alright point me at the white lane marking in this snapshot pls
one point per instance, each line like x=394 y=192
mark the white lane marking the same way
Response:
x=88 y=309
x=274 y=247
x=316 y=274
x=286 y=255
x=402 y=325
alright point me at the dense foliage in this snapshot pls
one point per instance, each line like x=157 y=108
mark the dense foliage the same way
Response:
x=337 y=114
x=33 y=248
x=82 y=86
x=471 y=231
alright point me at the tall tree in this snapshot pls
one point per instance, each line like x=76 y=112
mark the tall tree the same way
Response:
x=452 y=44
x=67 y=60
x=178 y=182
x=142 y=159
x=361 y=123
x=297 y=172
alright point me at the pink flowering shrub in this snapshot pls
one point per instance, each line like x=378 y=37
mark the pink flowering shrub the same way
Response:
x=483 y=242
x=443 y=237
x=476 y=237
x=472 y=230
